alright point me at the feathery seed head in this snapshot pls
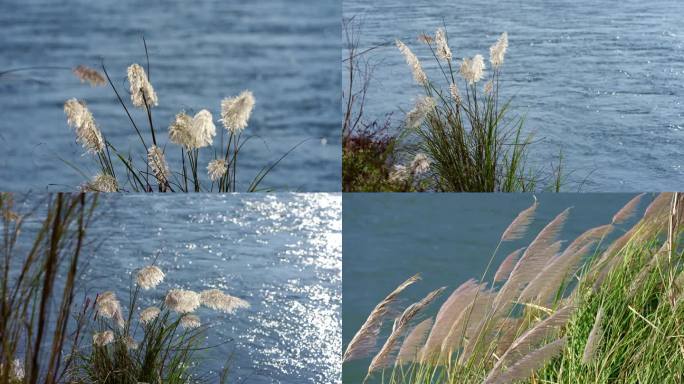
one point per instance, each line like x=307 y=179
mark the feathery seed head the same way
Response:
x=101 y=183
x=182 y=301
x=87 y=132
x=472 y=70
x=130 y=342
x=425 y=39
x=149 y=277
x=216 y=169
x=498 y=51
x=419 y=112
x=455 y=94
x=141 y=89
x=147 y=315
x=103 y=338
x=488 y=87
x=158 y=165
x=235 y=111
x=203 y=128
x=90 y=75
x=217 y=300
x=108 y=306
x=420 y=164
x=190 y=321
x=443 y=50
x=399 y=174
x=193 y=132
x=413 y=62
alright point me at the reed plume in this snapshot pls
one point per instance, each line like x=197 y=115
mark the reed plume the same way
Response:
x=142 y=92
x=101 y=183
x=147 y=315
x=235 y=111
x=472 y=69
x=217 y=300
x=149 y=277
x=90 y=75
x=442 y=45
x=413 y=343
x=87 y=132
x=182 y=301
x=102 y=339
x=413 y=62
x=190 y=321
x=217 y=169
x=160 y=168
x=529 y=363
x=519 y=226
x=594 y=339
x=507 y=265
x=498 y=51
x=628 y=210
x=364 y=340
x=419 y=112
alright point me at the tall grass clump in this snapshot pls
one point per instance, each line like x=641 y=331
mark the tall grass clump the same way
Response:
x=599 y=310
x=153 y=343
x=41 y=252
x=463 y=136
x=146 y=169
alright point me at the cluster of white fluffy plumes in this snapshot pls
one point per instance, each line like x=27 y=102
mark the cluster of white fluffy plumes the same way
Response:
x=158 y=165
x=416 y=116
x=413 y=62
x=498 y=51
x=455 y=93
x=147 y=315
x=87 y=133
x=101 y=339
x=472 y=70
x=193 y=132
x=217 y=300
x=108 y=306
x=442 y=45
x=189 y=321
x=182 y=301
x=419 y=165
x=149 y=277
x=217 y=169
x=142 y=92
x=101 y=183
x=235 y=111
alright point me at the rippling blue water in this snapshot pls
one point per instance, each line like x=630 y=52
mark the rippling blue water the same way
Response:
x=282 y=253
x=286 y=52
x=602 y=80
x=448 y=238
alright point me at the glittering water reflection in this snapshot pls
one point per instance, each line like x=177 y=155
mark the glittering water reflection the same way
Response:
x=280 y=252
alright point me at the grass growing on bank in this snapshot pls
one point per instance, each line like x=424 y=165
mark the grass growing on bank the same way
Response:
x=146 y=169
x=595 y=311
x=45 y=337
x=460 y=136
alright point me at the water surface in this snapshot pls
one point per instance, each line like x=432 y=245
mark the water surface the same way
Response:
x=601 y=80
x=286 y=52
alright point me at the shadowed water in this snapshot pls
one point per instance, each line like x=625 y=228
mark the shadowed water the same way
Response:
x=286 y=52
x=448 y=238
x=281 y=253
x=601 y=80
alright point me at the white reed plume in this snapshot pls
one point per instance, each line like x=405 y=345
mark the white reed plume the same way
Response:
x=130 y=342
x=442 y=45
x=235 y=111
x=594 y=339
x=366 y=337
x=217 y=169
x=141 y=89
x=413 y=62
x=101 y=183
x=158 y=165
x=507 y=265
x=147 y=315
x=90 y=75
x=193 y=132
x=399 y=173
x=182 y=301
x=420 y=164
x=217 y=300
x=628 y=210
x=518 y=227
x=498 y=51
x=108 y=306
x=103 y=338
x=149 y=277
x=413 y=343
x=87 y=133
x=527 y=364
x=455 y=93
x=419 y=112
x=190 y=321
x=472 y=70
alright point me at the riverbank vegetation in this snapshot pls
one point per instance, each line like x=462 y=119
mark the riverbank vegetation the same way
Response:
x=461 y=135
x=605 y=308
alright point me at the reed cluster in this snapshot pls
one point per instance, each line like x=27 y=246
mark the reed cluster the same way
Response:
x=597 y=310
x=154 y=343
x=462 y=130
x=148 y=170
